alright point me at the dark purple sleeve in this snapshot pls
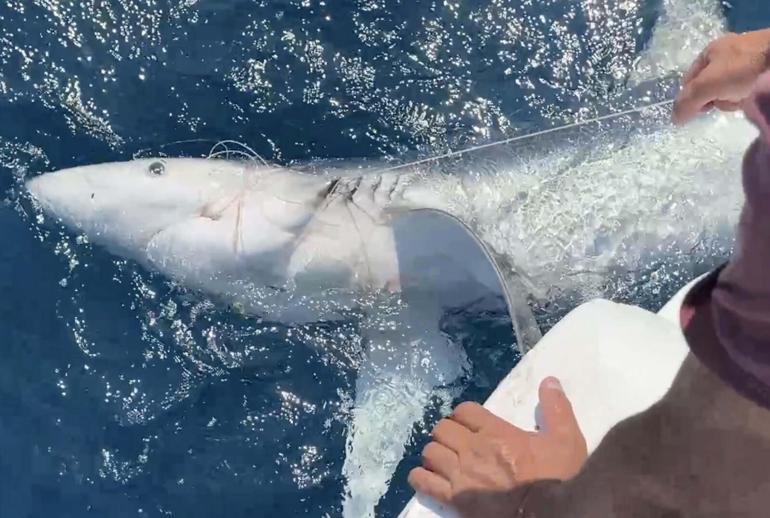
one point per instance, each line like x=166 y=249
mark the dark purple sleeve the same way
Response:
x=740 y=298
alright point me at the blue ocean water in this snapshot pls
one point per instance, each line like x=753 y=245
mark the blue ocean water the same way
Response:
x=121 y=394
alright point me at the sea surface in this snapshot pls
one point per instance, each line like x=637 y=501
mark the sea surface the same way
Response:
x=124 y=395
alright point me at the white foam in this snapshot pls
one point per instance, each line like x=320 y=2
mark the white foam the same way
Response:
x=566 y=221
x=683 y=30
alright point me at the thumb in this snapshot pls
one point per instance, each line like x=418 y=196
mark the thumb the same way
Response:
x=556 y=410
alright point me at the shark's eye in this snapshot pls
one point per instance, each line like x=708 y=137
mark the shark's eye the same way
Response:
x=157 y=169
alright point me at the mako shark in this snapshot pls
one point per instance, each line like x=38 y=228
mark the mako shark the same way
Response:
x=296 y=247
x=304 y=242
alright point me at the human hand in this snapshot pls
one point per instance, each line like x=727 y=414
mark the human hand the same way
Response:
x=723 y=75
x=757 y=106
x=477 y=460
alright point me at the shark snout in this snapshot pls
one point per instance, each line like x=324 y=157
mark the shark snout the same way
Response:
x=65 y=196
x=38 y=188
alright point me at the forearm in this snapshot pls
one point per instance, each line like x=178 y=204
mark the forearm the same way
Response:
x=741 y=298
x=619 y=480
x=588 y=497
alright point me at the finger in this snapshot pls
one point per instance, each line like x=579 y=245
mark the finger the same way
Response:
x=708 y=86
x=727 y=106
x=427 y=483
x=440 y=460
x=473 y=416
x=556 y=410
x=701 y=62
x=452 y=435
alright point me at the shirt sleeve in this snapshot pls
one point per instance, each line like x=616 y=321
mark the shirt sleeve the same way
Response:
x=741 y=297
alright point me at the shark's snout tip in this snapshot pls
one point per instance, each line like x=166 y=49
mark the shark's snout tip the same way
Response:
x=30 y=183
x=39 y=189
x=49 y=193
x=35 y=189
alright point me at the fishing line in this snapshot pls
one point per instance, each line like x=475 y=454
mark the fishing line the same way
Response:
x=215 y=152
x=452 y=154
x=139 y=153
x=250 y=153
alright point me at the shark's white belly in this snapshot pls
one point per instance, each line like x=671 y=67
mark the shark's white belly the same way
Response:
x=289 y=261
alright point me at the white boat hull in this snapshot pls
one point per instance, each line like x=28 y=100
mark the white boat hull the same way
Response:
x=613 y=360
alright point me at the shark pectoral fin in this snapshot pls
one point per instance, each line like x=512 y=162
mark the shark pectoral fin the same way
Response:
x=407 y=366
x=459 y=269
x=386 y=409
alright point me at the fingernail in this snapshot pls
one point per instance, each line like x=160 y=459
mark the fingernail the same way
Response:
x=552 y=383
